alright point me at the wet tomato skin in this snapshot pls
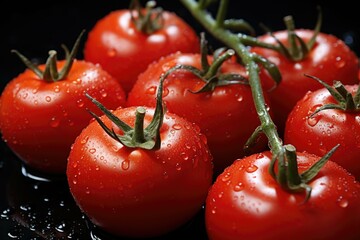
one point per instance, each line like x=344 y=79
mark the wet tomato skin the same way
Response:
x=125 y=52
x=40 y=120
x=320 y=133
x=246 y=203
x=226 y=115
x=134 y=192
x=330 y=59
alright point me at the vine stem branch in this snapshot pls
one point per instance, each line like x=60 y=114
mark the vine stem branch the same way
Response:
x=232 y=40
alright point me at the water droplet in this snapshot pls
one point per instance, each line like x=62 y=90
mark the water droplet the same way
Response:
x=151 y=90
x=125 y=164
x=84 y=140
x=103 y=94
x=298 y=66
x=80 y=103
x=92 y=150
x=14 y=234
x=74 y=181
x=343 y=202
x=166 y=176
x=252 y=168
x=238 y=187
x=165 y=92
x=61 y=227
x=184 y=156
x=177 y=126
x=48 y=98
x=178 y=166
x=357 y=119
x=111 y=53
x=75 y=164
x=226 y=177
x=339 y=62
x=57 y=89
x=54 y=122
x=5 y=214
x=312 y=121
x=240 y=98
x=213 y=211
x=25 y=95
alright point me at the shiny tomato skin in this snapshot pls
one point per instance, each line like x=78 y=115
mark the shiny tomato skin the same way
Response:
x=122 y=50
x=330 y=59
x=40 y=120
x=245 y=202
x=226 y=116
x=136 y=192
x=320 y=133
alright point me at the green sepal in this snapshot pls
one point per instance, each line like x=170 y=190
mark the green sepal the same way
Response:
x=51 y=73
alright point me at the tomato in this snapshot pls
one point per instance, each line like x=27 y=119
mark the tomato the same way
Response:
x=135 y=192
x=39 y=120
x=325 y=129
x=330 y=58
x=245 y=202
x=124 y=51
x=226 y=115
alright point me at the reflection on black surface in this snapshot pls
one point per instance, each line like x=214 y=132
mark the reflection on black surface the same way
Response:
x=41 y=207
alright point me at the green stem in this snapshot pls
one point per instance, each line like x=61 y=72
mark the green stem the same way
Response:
x=221 y=13
x=139 y=125
x=232 y=40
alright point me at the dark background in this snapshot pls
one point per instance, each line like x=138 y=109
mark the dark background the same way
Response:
x=34 y=27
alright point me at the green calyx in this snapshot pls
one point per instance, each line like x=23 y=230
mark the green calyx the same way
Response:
x=210 y=73
x=298 y=49
x=137 y=136
x=148 y=19
x=345 y=100
x=284 y=157
x=51 y=73
x=288 y=175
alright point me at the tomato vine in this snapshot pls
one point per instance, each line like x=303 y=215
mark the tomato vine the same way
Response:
x=284 y=155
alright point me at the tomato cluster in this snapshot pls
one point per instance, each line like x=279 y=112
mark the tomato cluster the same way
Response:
x=150 y=127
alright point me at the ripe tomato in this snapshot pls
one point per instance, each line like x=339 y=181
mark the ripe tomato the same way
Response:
x=245 y=202
x=330 y=58
x=39 y=120
x=135 y=192
x=325 y=129
x=125 y=51
x=226 y=115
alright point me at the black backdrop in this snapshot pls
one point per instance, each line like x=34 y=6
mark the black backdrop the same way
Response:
x=34 y=27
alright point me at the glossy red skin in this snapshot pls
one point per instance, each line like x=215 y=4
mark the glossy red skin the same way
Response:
x=227 y=116
x=327 y=128
x=330 y=59
x=135 y=192
x=40 y=120
x=122 y=50
x=245 y=202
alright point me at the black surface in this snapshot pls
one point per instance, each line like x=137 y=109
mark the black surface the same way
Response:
x=32 y=209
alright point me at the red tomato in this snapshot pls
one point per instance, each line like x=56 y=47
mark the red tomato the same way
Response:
x=330 y=58
x=245 y=202
x=124 y=51
x=135 y=192
x=321 y=132
x=39 y=120
x=226 y=115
